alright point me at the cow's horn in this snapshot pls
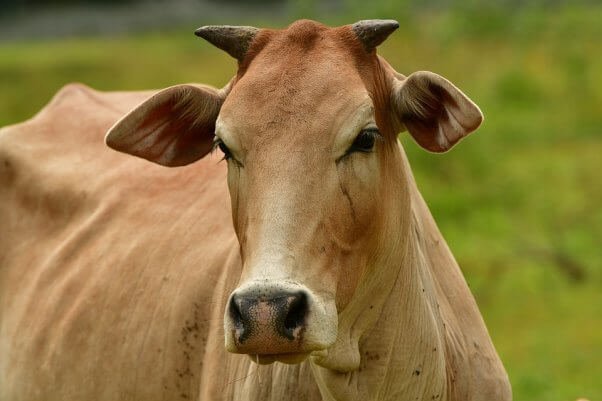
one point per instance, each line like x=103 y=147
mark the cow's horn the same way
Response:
x=234 y=40
x=372 y=32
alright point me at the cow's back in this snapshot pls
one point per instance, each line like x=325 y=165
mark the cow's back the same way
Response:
x=110 y=266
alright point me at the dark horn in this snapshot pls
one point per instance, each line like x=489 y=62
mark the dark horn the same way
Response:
x=234 y=40
x=373 y=32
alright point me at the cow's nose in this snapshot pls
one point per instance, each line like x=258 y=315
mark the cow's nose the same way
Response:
x=268 y=318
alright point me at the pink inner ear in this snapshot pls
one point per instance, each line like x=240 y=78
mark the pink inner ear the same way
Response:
x=175 y=127
x=435 y=112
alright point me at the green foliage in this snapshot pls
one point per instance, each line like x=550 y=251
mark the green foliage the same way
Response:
x=304 y=8
x=518 y=201
x=382 y=9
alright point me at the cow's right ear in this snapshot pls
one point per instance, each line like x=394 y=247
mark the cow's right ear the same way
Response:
x=174 y=127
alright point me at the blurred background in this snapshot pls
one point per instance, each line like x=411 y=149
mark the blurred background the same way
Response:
x=519 y=201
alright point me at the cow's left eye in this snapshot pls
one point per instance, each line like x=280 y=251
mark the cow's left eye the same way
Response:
x=364 y=142
x=222 y=146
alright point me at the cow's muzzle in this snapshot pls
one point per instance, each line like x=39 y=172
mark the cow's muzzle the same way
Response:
x=270 y=319
x=278 y=316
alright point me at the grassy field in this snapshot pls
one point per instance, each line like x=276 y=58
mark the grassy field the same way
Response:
x=519 y=201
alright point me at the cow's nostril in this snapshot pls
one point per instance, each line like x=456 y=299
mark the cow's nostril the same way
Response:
x=235 y=312
x=295 y=318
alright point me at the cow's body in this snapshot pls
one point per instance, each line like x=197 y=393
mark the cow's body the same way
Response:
x=113 y=287
x=115 y=274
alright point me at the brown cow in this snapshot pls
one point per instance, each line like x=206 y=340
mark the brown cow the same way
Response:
x=122 y=280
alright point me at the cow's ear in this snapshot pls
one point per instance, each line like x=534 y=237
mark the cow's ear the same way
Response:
x=174 y=127
x=434 y=111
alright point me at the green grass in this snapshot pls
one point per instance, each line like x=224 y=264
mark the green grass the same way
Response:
x=519 y=201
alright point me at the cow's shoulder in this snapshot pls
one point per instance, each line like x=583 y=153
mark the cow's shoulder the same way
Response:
x=77 y=97
x=72 y=93
x=71 y=125
x=63 y=143
x=75 y=108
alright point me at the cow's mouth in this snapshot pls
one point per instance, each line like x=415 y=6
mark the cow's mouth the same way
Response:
x=288 y=358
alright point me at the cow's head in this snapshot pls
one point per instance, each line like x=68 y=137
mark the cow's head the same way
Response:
x=308 y=127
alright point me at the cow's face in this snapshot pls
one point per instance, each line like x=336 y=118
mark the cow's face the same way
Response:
x=305 y=156
x=308 y=128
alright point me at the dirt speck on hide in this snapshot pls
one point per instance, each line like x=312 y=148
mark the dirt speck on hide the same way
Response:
x=7 y=172
x=191 y=341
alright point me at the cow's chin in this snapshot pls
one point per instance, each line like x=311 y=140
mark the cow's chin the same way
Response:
x=290 y=359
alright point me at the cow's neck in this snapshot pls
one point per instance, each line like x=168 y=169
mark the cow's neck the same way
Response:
x=391 y=344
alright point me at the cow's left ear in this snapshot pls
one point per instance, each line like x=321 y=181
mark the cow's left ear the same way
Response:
x=174 y=127
x=434 y=111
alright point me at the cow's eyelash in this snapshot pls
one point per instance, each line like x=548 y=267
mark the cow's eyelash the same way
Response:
x=219 y=144
x=365 y=140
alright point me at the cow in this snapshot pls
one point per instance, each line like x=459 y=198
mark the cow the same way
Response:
x=324 y=277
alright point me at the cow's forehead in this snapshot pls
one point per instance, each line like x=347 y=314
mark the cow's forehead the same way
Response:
x=303 y=41
x=300 y=79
